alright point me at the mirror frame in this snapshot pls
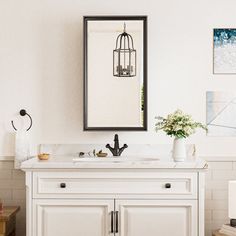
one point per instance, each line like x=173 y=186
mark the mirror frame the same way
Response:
x=85 y=69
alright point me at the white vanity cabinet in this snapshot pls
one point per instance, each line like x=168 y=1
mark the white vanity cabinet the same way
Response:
x=71 y=217
x=158 y=217
x=115 y=199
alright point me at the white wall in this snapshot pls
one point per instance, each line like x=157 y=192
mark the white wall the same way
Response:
x=41 y=66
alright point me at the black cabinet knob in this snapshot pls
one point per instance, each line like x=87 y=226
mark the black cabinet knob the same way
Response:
x=63 y=185
x=167 y=185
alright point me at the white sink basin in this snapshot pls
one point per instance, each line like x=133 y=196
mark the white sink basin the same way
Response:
x=115 y=159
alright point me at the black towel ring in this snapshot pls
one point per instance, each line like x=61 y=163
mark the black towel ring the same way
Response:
x=23 y=113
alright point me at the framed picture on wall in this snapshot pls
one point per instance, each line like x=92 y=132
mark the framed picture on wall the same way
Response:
x=224 y=51
x=221 y=113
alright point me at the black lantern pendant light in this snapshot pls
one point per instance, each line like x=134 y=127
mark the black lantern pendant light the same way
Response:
x=124 y=56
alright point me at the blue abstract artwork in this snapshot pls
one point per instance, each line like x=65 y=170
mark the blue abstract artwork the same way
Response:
x=224 y=51
x=221 y=113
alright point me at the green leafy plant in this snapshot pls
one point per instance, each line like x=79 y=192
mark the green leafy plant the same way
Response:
x=178 y=124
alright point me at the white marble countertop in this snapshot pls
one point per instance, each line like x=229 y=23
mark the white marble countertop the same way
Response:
x=66 y=162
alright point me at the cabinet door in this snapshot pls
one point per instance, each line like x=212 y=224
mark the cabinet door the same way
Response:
x=156 y=217
x=72 y=217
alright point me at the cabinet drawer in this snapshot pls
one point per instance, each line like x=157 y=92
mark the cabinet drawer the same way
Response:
x=115 y=184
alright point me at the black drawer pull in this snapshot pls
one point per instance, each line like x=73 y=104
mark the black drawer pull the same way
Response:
x=167 y=185
x=63 y=185
x=112 y=222
x=117 y=222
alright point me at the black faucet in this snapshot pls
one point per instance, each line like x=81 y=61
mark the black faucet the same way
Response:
x=116 y=151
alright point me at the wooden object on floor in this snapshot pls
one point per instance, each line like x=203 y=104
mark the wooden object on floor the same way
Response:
x=217 y=233
x=8 y=221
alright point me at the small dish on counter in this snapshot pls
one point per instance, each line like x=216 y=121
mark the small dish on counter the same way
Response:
x=101 y=154
x=43 y=156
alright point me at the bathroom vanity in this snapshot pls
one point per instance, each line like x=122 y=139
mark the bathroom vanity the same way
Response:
x=121 y=198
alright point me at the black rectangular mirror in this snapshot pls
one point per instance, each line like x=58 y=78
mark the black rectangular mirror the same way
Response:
x=115 y=73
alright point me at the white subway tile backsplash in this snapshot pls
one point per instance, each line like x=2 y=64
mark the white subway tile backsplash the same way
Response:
x=12 y=191
x=208 y=227
x=208 y=232
x=5 y=174
x=220 y=165
x=208 y=215
x=6 y=165
x=11 y=184
x=217 y=184
x=208 y=194
x=211 y=226
x=219 y=194
x=208 y=175
x=234 y=165
x=14 y=202
x=216 y=205
x=219 y=214
x=18 y=194
x=5 y=194
x=223 y=175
